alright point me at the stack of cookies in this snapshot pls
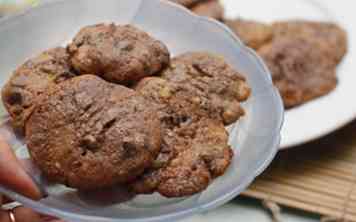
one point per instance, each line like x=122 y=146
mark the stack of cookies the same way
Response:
x=112 y=108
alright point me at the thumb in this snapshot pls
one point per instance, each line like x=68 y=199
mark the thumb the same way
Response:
x=13 y=176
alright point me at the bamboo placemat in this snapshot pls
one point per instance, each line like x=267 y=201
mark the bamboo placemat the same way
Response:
x=319 y=177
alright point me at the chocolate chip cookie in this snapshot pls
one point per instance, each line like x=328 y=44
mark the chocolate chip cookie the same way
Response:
x=214 y=86
x=209 y=8
x=300 y=70
x=89 y=134
x=330 y=38
x=118 y=53
x=252 y=33
x=194 y=148
x=30 y=80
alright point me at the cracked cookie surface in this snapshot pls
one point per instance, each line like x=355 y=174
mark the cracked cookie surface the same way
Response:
x=215 y=86
x=90 y=134
x=300 y=71
x=31 y=80
x=194 y=148
x=118 y=53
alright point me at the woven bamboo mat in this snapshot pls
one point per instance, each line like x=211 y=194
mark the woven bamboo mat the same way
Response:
x=319 y=177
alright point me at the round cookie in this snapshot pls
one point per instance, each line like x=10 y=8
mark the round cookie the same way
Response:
x=299 y=70
x=209 y=8
x=30 y=80
x=118 y=53
x=253 y=34
x=330 y=38
x=90 y=134
x=194 y=148
x=214 y=85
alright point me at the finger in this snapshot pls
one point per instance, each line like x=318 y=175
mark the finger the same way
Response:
x=23 y=214
x=4 y=216
x=12 y=174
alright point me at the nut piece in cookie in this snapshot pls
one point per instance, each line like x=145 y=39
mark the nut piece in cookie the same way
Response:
x=21 y=93
x=214 y=85
x=209 y=8
x=174 y=103
x=194 y=148
x=118 y=53
x=300 y=70
x=90 y=134
x=330 y=38
x=253 y=34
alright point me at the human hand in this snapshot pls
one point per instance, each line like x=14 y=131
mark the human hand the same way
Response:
x=13 y=175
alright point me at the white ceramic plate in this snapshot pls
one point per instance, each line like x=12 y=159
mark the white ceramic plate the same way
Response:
x=327 y=114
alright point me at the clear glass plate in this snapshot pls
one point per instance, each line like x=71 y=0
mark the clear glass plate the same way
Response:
x=255 y=138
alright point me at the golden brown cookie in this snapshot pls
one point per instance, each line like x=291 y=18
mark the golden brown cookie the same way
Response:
x=118 y=53
x=89 y=134
x=300 y=70
x=30 y=80
x=252 y=33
